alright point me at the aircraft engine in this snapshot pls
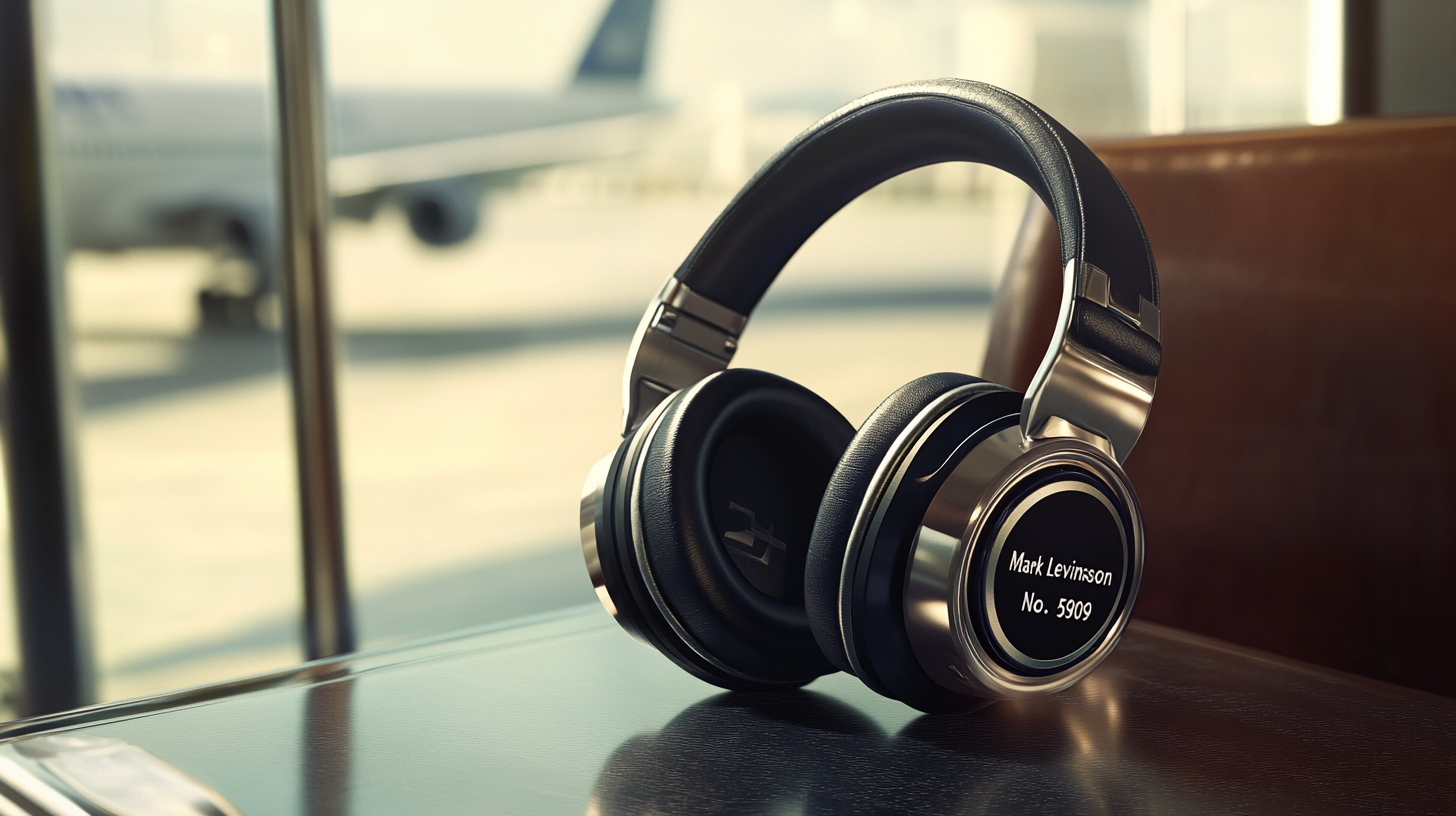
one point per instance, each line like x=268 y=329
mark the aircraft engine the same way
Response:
x=442 y=213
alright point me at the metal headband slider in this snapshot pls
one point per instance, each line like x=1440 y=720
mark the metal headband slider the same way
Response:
x=1096 y=287
x=702 y=337
x=682 y=338
x=1077 y=391
x=676 y=294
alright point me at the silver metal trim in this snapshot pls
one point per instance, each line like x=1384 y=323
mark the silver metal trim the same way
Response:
x=312 y=353
x=1150 y=319
x=886 y=474
x=593 y=493
x=938 y=619
x=1056 y=426
x=1096 y=286
x=676 y=294
x=1127 y=317
x=1085 y=389
x=682 y=338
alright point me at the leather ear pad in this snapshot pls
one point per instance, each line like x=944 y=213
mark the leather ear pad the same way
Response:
x=731 y=485
x=845 y=493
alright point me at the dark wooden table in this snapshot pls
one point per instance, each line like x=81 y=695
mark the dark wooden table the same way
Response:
x=568 y=715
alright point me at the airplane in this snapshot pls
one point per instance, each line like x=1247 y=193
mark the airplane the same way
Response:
x=175 y=164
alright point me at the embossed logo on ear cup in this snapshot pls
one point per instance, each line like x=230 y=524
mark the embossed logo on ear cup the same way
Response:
x=762 y=558
x=739 y=440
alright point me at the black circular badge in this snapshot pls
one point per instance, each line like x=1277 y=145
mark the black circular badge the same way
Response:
x=1055 y=575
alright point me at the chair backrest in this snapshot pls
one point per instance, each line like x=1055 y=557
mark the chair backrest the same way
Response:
x=1298 y=472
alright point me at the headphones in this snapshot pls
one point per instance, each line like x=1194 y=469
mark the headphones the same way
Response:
x=967 y=541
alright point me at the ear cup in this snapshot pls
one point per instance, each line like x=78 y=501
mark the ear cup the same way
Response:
x=730 y=486
x=843 y=497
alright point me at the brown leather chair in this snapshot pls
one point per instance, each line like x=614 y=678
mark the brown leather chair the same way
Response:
x=1298 y=472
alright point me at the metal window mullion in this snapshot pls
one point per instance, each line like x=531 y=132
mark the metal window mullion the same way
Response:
x=38 y=399
x=312 y=353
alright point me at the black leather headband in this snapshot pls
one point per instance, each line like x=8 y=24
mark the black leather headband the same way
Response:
x=922 y=123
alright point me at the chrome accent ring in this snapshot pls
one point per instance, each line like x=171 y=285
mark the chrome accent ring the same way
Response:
x=593 y=491
x=593 y=494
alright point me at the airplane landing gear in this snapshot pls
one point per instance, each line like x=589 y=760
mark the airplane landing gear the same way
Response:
x=241 y=292
x=223 y=311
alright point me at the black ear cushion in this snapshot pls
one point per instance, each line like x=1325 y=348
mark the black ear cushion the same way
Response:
x=731 y=484
x=842 y=499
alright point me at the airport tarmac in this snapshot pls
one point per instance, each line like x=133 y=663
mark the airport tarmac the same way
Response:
x=479 y=385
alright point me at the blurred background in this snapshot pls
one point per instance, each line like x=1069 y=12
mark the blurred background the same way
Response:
x=514 y=181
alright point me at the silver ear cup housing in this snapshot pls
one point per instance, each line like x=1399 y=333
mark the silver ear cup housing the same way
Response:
x=1025 y=567
x=915 y=617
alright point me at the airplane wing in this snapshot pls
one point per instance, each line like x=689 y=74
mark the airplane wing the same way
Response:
x=525 y=149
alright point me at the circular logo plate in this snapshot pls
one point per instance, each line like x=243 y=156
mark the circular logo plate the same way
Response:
x=1056 y=574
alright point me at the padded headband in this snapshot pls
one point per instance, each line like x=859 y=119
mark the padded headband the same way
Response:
x=908 y=126
x=1110 y=303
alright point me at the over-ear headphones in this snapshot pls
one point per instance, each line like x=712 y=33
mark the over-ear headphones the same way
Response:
x=967 y=541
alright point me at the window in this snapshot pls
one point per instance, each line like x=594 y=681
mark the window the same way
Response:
x=507 y=204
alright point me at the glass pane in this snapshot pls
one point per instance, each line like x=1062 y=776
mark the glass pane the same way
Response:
x=483 y=378
x=1248 y=63
x=161 y=112
x=514 y=181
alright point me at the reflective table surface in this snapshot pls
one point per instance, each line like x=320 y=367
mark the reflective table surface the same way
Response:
x=567 y=714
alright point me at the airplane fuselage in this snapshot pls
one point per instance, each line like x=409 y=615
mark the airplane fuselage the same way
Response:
x=142 y=165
